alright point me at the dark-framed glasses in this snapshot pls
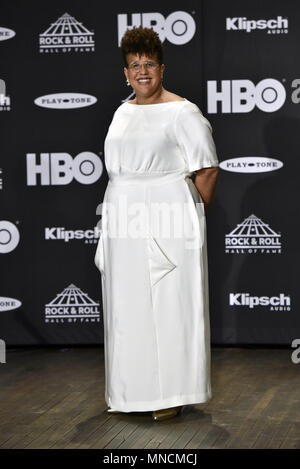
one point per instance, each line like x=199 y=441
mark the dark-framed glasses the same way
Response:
x=150 y=65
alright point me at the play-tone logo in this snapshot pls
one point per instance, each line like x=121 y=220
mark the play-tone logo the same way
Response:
x=60 y=168
x=67 y=35
x=178 y=28
x=253 y=236
x=6 y=33
x=276 y=303
x=7 y=304
x=241 y=96
x=251 y=164
x=65 y=100
x=277 y=25
x=72 y=305
x=9 y=236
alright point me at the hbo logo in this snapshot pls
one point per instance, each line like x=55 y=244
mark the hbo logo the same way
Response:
x=179 y=27
x=242 y=95
x=61 y=168
x=9 y=236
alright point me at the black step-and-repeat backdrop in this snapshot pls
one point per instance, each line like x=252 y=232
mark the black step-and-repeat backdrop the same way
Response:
x=61 y=79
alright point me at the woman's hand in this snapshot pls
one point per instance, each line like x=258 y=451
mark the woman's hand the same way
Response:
x=205 y=182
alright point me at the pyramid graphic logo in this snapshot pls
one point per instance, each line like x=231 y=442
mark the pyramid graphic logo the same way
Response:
x=67 y=35
x=253 y=236
x=72 y=305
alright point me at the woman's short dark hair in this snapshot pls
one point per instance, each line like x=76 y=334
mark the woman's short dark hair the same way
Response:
x=141 y=41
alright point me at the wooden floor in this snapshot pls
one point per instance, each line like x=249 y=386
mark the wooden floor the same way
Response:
x=54 y=398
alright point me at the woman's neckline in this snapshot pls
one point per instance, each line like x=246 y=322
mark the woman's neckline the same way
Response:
x=155 y=104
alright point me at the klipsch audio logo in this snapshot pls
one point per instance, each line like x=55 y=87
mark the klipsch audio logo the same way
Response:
x=72 y=305
x=251 y=164
x=6 y=33
x=65 y=100
x=67 y=35
x=277 y=25
x=7 y=304
x=61 y=168
x=60 y=233
x=179 y=27
x=253 y=236
x=9 y=236
x=276 y=303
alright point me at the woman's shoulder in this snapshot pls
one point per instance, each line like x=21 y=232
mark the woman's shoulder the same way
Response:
x=190 y=113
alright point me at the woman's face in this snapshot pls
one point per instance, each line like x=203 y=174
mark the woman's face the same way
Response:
x=153 y=76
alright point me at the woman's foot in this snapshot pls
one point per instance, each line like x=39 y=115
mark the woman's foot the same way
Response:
x=164 y=414
x=113 y=411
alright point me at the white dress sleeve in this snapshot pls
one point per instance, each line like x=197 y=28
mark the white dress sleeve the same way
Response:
x=194 y=138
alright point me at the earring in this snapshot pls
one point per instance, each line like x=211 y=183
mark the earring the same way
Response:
x=127 y=82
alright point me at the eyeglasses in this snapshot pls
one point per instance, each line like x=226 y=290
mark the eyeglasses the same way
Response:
x=149 y=66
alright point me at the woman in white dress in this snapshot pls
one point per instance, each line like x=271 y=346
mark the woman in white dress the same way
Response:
x=154 y=284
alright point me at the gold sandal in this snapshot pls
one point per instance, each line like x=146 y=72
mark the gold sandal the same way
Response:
x=164 y=414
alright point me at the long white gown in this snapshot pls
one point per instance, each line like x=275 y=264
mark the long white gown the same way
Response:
x=155 y=285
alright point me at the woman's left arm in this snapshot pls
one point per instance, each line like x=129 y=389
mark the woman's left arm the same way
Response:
x=206 y=182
